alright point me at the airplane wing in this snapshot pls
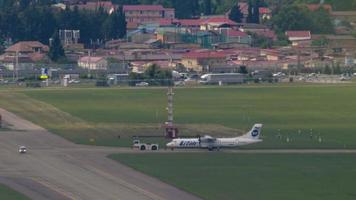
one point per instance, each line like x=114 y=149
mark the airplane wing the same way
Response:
x=207 y=139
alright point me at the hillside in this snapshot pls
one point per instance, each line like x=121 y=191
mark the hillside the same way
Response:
x=338 y=5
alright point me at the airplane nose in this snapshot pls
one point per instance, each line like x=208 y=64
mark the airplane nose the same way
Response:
x=169 y=144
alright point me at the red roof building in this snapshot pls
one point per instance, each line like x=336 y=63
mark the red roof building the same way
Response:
x=205 y=54
x=267 y=33
x=214 y=23
x=299 y=37
x=264 y=10
x=144 y=14
x=235 y=33
x=93 y=62
x=314 y=7
x=201 y=60
x=143 y=7
x=26 y=52
x=265 y=13
x=220 y=20
x=190 y=22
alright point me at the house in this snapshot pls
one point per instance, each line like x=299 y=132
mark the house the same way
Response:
x=201 y=61
x=142 y=66
x=206 y=39
x=216 y=23
x=267 y=33
x=250 y=27
x=153 y=43
x=191 y=24
x=299 y=38
x=143 y=14
x=314 y=7
x=271 y=54
x=236 y=36
x=23 y=55
x=168 y=37
x=338 y=41
x=265 y=14
x=108 y=6
x=140 y=36
x=93 y=63
x=344 y=15
x=244 y=9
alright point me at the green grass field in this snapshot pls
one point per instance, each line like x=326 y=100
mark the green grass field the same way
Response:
x=308 y=116
x=252 y=177
x=7 y=193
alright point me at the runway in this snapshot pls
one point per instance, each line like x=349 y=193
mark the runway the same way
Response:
x=55 y=168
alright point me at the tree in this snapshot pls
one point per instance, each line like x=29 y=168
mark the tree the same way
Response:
x=207 y=7
x=327 y=69
x=292 y=17
x=250 y=12
x=1 y=44
x=122 y=24
x=256 y=12
x=322 y=22
x=337 y=69
x=56 y=51
x=236 y=14
x=253 y=11
x=111 y=26
x=186 y=9
x=321 y=42
x=242 y=70
x=261 y=41
x=38 y=23
x=157 y=76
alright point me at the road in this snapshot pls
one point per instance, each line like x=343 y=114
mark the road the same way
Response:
x=55 y=168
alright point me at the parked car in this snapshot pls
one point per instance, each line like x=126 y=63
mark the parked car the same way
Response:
x=142 y=84
x=22 y=149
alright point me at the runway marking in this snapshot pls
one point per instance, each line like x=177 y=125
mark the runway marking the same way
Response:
x=54 y=188
x=126 y=184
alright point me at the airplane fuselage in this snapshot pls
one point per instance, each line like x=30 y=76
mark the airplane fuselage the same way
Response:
x=218 y=143
x=208 y=142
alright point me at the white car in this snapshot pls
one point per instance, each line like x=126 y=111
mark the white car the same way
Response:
x=279 y=74
x=142 y=84
x=74 y=81
x=345 y=78
x=22 y=149
x=179 y=83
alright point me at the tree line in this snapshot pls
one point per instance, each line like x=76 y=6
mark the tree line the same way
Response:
x=39 y=21
x=298 y=17
x=187 y=8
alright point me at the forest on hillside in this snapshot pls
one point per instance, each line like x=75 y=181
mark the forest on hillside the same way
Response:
x=35 y=20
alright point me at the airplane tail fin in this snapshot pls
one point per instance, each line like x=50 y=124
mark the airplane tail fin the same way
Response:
x=255 y=132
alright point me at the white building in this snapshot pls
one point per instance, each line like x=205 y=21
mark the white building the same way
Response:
x=93 y=63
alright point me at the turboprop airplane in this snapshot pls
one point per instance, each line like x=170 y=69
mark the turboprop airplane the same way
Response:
x=211 y=143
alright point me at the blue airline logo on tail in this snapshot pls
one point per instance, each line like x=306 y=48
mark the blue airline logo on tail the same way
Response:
x=254 y=133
